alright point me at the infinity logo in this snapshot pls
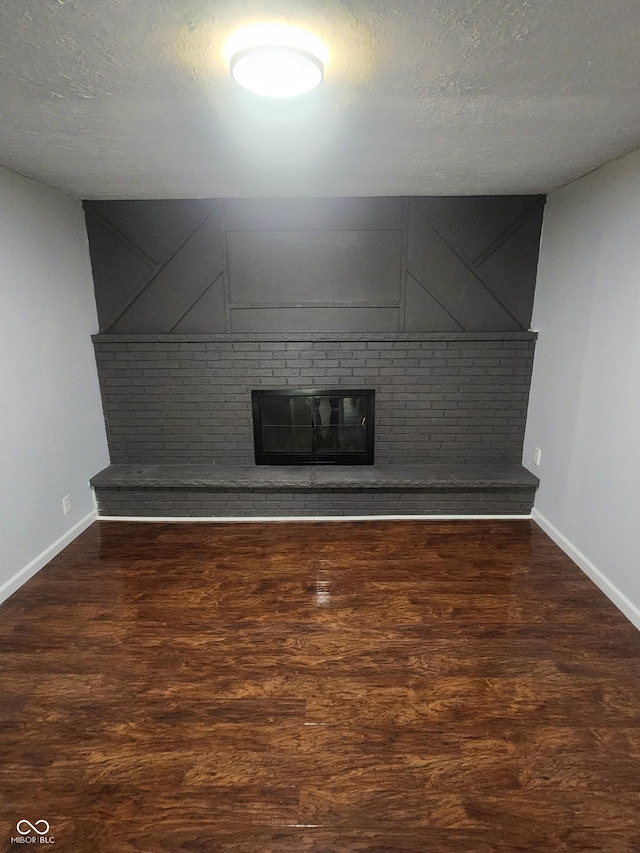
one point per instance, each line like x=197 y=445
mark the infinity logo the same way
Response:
x=32 y=827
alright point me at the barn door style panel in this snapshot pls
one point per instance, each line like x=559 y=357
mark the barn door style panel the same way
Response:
x=157 y=266
x=472 y=262
x=315 y=265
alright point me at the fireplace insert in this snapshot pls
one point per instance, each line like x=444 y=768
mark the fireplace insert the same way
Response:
x=313 y=427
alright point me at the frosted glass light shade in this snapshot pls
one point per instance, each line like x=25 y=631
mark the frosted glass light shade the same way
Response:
x=276 y=71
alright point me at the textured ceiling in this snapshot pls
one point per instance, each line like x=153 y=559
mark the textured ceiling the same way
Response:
x=132 y=99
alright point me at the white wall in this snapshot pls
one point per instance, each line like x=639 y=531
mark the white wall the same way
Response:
x=52 y=435
x=584 y=409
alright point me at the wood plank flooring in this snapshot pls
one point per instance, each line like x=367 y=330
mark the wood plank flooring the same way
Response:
x=368 y=687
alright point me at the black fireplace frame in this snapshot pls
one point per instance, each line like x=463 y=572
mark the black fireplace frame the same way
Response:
x=364 y=457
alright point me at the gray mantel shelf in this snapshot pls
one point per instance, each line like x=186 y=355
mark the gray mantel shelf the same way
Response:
x=311 y=337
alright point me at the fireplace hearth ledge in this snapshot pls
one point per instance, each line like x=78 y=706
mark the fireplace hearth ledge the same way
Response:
x=488 y=475
x=160 y=490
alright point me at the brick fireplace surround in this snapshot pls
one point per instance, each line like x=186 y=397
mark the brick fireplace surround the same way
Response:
x=450 y=417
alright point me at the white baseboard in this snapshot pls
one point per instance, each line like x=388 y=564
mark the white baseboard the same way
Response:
x=625 y=605
x=23 y=575
x=219 y=519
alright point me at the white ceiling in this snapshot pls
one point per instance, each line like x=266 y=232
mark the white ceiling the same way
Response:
x=132 y=99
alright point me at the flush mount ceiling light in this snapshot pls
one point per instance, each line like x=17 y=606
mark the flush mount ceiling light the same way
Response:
x=276 y=61
x=277 y=71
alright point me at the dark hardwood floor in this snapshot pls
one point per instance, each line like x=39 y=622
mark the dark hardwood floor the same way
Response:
x=391 y=686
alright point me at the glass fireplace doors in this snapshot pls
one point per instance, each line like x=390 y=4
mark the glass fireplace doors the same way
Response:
x=309 y=427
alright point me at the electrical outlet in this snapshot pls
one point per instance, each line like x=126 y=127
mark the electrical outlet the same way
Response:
x=66 y=504
x=537 y=456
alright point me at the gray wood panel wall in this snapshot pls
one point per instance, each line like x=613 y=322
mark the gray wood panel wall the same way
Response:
x=312 y=265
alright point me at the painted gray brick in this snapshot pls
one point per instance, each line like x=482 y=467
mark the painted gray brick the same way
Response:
x=177 y=502
x=178 y=400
